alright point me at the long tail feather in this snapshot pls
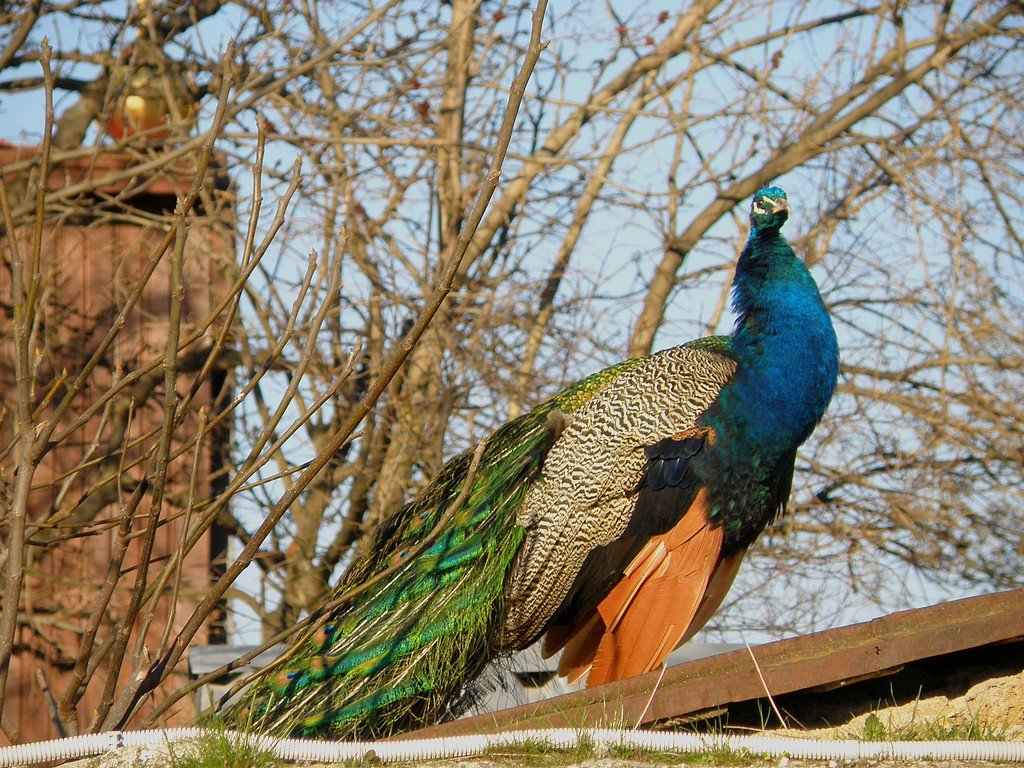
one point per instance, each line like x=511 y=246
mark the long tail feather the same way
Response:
x=399 y=653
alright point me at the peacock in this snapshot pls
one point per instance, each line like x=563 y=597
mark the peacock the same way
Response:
x=611 y=520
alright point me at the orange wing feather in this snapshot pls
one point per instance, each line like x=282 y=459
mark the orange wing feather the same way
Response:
x=578 y=654
x=718 y=587
x=668 y=592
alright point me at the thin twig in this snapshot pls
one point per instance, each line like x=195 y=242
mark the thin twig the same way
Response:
x=23 y=301
x=764 y=684
x=51 y=703
x=654 y=691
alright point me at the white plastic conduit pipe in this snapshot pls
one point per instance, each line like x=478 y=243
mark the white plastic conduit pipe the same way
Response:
x=562 y=738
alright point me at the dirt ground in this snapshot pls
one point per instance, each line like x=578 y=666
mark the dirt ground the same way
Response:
x=972 y=698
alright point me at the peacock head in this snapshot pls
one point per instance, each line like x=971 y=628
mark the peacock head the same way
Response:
x=769 y=210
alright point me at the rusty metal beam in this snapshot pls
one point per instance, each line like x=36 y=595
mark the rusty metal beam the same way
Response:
x=830 y=658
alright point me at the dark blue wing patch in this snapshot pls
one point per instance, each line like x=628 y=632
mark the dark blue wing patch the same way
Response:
x=670 y=462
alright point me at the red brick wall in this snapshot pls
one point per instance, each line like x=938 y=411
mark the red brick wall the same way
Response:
x=91 y=259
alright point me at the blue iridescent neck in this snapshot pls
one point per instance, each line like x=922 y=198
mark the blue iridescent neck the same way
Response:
x=784 y=344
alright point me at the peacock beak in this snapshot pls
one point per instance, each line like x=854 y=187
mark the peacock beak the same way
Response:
x=779 y=205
